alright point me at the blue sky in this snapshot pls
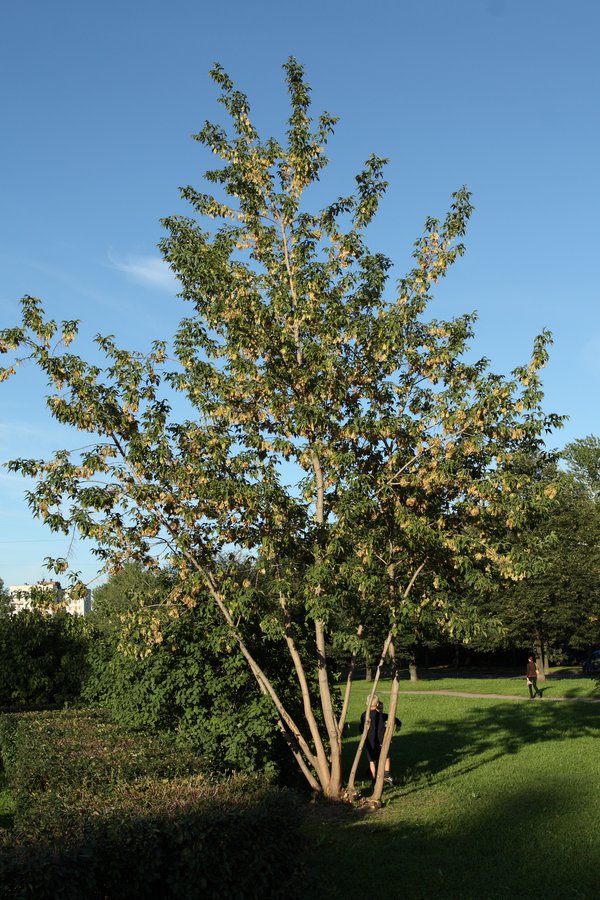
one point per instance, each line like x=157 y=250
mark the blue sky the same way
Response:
x=99 y=102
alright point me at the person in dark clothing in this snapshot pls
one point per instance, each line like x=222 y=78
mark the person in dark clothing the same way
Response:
x=532 y=677
x=377 y=724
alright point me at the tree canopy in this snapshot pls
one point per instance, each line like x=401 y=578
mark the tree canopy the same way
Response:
x=5 y=601
x=336 y=436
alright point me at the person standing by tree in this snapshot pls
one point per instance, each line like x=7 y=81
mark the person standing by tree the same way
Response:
x=532 y=676
x=377 y=724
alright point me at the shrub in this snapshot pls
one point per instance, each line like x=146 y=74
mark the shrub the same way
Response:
x=106 y=813
x=187 y=687
x=180 y=839
x=69 y=751
x=42 y=658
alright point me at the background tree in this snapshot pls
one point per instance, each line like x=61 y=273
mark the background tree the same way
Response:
x=333 y=433
x=128 y=588
x=583 y=463
x=5 y=601
x=555 y=610
x=43 y=658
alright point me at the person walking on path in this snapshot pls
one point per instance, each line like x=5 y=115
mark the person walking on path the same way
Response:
x=377 y=724
x=532 y=677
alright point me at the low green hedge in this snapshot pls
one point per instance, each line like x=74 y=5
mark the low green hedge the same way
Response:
x=66 y=751
x=103 y=813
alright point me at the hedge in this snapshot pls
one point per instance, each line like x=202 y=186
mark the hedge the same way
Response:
x=107 y=814
x=64 y=751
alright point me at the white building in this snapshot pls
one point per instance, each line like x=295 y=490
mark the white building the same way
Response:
x=21 y=598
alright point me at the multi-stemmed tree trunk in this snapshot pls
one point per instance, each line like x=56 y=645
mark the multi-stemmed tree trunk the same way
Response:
x=334 y=434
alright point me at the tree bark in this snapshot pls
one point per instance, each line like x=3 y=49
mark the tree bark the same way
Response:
x=412 y=667
x=323 y=766
x=389 y=728
x=349 y=681
x=546 y=660
x=538 y=649
x=352 y=778
x=334 y=786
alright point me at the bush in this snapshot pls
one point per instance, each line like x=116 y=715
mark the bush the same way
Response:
x=67 y=752
x=42 y=658
x=181 y=839
x=105 y=813
x=187 y=687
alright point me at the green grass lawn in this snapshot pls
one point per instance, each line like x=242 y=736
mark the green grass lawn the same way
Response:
x=494 y=799
x=560 y=683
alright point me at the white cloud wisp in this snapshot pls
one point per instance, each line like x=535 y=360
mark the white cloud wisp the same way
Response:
x=151 y=271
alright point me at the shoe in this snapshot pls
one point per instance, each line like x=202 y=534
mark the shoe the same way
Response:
x=388 y=779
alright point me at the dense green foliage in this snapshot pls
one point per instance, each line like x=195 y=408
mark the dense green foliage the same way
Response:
x=127 y=589
x=5 y=602
x=42 y=658
x=104 y=813
x=556 y=608
x=187 y=687
x=193 y=683
x=583 y=463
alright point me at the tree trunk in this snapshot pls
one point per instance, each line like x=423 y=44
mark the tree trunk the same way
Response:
x=361 y=743
x=412 y=668
x=333 y=788
x=538 y=649
x=546 y=659
x=389 y=730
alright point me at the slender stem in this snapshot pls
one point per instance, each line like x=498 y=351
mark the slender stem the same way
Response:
x=389 y=728
x=333 y=732
x=292 y=744
x=288 y=266
x=365 y=730
x=346 y=703
x=323 y=767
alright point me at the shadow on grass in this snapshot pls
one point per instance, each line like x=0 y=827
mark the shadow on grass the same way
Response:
x=574 y=694
x=439 y=839
x=433 y=749
x=494 y=850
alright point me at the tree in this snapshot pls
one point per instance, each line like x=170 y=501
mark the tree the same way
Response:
x=583 y=462
x=42 y=658
x=129 y=588
x=564 y=597
x=556 y=608
x=334 y=434
x=5 y=601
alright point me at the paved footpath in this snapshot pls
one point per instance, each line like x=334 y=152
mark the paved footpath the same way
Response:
x=500 y=696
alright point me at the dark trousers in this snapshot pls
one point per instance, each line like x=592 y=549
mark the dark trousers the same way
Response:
x=534 y=691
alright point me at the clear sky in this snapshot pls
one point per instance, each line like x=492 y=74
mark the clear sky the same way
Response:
x=98 y=104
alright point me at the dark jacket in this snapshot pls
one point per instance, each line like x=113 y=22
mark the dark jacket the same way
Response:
x=531 y=669
x=376 y=730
